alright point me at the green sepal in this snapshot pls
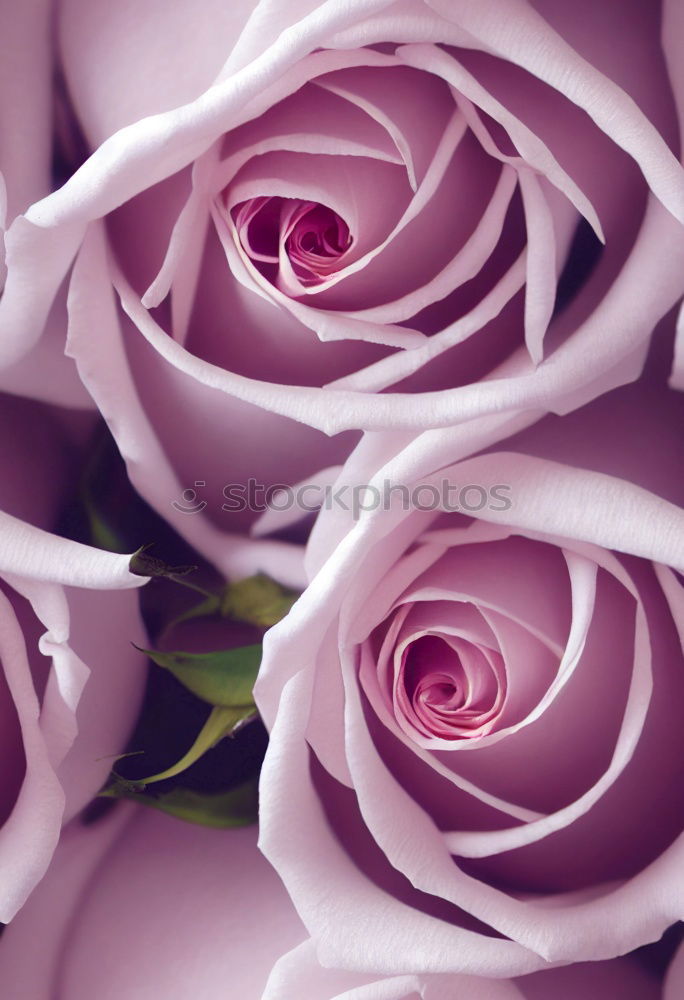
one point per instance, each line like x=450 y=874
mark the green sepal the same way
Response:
x=257 y=600
x=225 y=677
x=237 y=807
x=220 y=723
x=143 y=564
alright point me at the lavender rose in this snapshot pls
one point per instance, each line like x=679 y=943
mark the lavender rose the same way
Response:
x=324 y=217
x=476 y=717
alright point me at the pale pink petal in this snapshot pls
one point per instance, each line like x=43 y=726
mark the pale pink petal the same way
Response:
x=354 y=925
x=47 y=913
x=368 y=679
x=328 y=325
x=300 y=974
x=130 y=884
x=540 y=286
x=390 y=99
x=137 y=158
x=108 y=377
x=531 y=148
x=104 y=632
x=377 y=450
x=555 y=499
x=121 y=67
x=45 y=373
x=29 y=835
x=25 y=125
x=463 y=266
x=625 y=744
x=677 y=374
x=536 y=47
x=34 y=553
x=311 y=492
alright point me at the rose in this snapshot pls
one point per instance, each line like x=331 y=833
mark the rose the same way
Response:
x=476 y=726
x=211 y=367
x=71 y=682
x=121 y=890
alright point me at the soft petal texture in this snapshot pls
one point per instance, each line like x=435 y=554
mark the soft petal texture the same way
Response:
x=25 y=126
x=493 y=120
x=72 y=682
x=296 y=222
x=121 y=890
x=84 y=715
x=150 y=472
x=492 y=854
x=122 y=67
x=300 y=974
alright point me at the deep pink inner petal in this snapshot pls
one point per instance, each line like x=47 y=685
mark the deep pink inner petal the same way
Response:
x=314 y=236
x=447 y=688
x=315 y=239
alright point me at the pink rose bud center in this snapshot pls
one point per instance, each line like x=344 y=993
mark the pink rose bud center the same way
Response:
x=447 y=687
x=305 y=236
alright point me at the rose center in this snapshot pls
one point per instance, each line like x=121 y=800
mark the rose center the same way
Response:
x=291 y=239
x=446 y=687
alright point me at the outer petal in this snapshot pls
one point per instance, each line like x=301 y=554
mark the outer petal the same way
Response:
x=104 y=628
x=105 y=368
x=300 y=974
x=25 y=124
x=29 y=835
x=523 y=37
x=38 y=555
x=120 y=891
x=68 y=736
x=121 y=66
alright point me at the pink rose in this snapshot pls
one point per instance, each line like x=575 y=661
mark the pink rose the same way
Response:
x=71 y=682
x=476 y=715
x=300 y=219
x=140 y=905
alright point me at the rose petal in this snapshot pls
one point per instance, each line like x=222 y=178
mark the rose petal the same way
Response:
x=29 y=835
x=25 y=127
x=114 y=889
x=109 y=378
x=540 y=50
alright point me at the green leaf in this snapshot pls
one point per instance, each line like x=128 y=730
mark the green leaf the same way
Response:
x=257 y=600
x=221 y=722
x=103 y=537
x=95 y=505
x=225 y=677
x=236 y=807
